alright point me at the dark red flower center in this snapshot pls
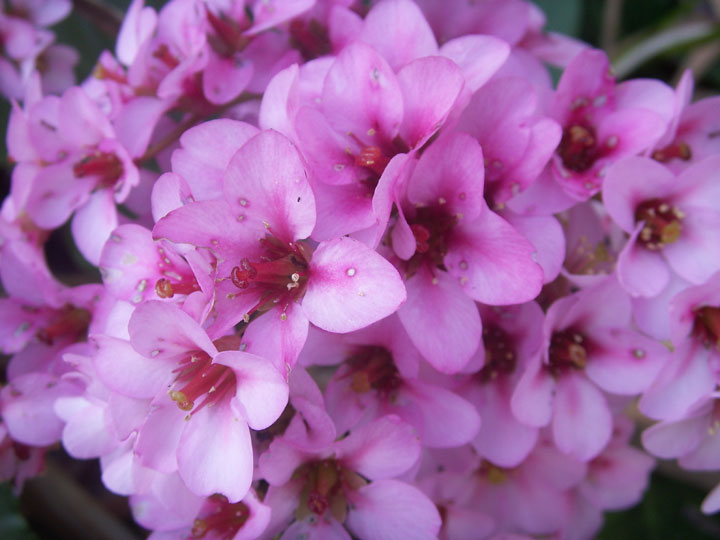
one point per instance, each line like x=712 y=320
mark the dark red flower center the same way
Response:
x=69 y=323
x=228 y=37
x=578 y=147
x=500 y=356
x=678 y=150
x=706 y=326
x=431 y=226
x=223 y=520
x=663 y=223
x=372 y=368
x=310 y=38
x=201 y=378
x=107 y=168
x=568 y=350
x=280 y=275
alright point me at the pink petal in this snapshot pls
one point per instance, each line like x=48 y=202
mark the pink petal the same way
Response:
x=640 y=271
x=450 y=170
x=502 y=439
x=279 y=335
x=85 y=434
x=399 y=31
x=225 y=77
x=210 y=224
x=159 y=436
x=628 y=183
x=267 y=182
x=547 y=236
x=122 y=369
x=442 y=322
x=389 y=509
x=624 y=362
x=361 y=93
x=684 y=379
x=215 y=453
x=205 y=152
x=381 y=449
x=695 y=256
x=262 y=392
x=582 y=423
x=479 y=57
x=350 y=286
x=532 y=400
x=493 y=262
x=163 y=330
x=448 y=419
x=92 y=224
x=430 y=86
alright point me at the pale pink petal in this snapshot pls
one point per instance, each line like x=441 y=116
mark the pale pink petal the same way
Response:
x=361 y=93
x=502 y=439
x=267 y=182
x=225 y=77
x=163 y=330
x=262 y=391
x=350 y=286
x=448 y=419
x=479 y=57
x=711 y=503
x=138 y=25
x=442 y=322
x=430 y=86
x=450 y=173
x=623 y=361
x=684 y=379
x=382 y=449
x=279 y=335
x=695 y=256
x=86 y=433
x=159 y=436
x=493 y=263
x=398 y=29
x=532 y=400
x=211 y=224
x=548 y=237
x=640 y=271
x=582 y=423
x=389 y=509
x=92 y=224
x=205 y=151
x=124 y=370
x=215 y=453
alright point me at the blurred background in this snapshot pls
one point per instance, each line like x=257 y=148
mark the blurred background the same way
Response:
x=644 y=38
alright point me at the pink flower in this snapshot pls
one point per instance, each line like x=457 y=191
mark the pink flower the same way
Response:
x=217 y=391
x=673 y=222
x=265 y=266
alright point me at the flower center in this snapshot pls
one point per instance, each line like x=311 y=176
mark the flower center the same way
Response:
x=310 y=38
x=201 y=378
x=325 y=485
x=223 y=519
x=280 y=275
x=70 y=323
x=106 y=167
x=706 y=326
x=568 y=350
x=663 y=223
x=679 y=150
x=500 y=356
x=228 y=37
x=578 y=147
x=431 y=227
x=372 y=368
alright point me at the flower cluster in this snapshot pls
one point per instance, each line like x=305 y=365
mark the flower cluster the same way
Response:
x=366 y=272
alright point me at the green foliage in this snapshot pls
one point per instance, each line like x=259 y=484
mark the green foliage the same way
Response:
x=12 y=523
x=670 y=510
